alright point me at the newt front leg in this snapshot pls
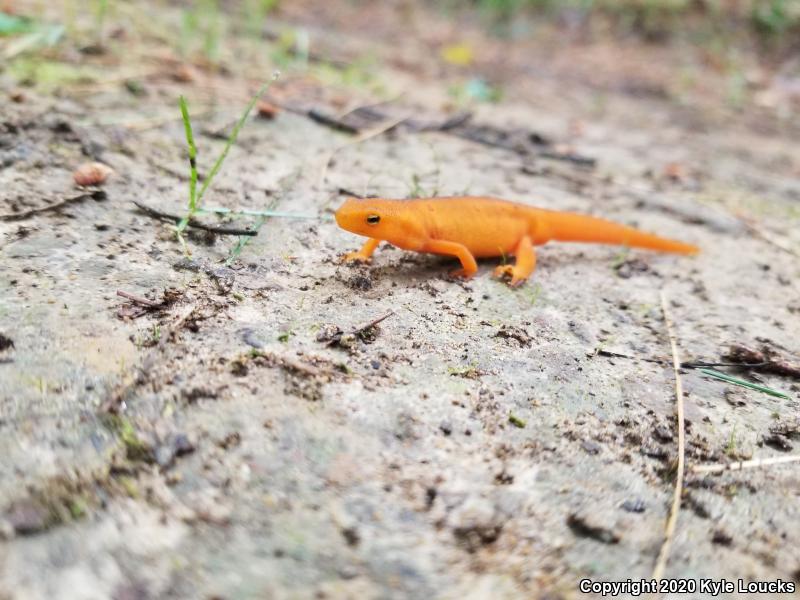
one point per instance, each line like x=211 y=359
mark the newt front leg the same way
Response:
x=364 y=254
x=468 y=265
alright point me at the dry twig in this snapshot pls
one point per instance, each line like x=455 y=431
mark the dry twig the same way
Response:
x=691 y=364
x=139 y=299
x=345 y=338
x=372 y=323
x=745 y=464
x=769 y=238
x=672 y=520
x=766 y=359
x=194 y=223
x=96 y=194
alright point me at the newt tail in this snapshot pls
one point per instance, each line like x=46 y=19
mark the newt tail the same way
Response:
x=470 y=227
x=572 y=227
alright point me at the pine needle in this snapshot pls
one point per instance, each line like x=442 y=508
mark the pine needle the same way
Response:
x=742 y=383
x=255 y=213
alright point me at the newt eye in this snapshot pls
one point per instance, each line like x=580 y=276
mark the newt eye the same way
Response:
x=373 y=219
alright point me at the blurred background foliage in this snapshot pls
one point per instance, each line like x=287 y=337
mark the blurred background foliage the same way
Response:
x=775 y=24
x=771 y=25
x=52 y=44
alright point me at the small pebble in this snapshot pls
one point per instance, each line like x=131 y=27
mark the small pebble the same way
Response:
x=591 y=447
x=27 y=517
x=266 y=110
x=93 y=173
x=634 y=505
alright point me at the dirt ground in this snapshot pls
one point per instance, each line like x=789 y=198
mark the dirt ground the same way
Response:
x=241 y=439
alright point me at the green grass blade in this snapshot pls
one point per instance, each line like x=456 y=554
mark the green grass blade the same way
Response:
x=243 y=241
x=741 y=382
x=231 y=140
x=286 y=182
x=187 y=125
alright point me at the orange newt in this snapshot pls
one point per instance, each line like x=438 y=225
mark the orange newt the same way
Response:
x=469 y=227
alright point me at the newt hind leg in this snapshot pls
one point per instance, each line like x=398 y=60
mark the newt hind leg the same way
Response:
x=525 y=264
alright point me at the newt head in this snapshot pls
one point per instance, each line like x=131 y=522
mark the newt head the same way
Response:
x=376 y=218
x=364 y=217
